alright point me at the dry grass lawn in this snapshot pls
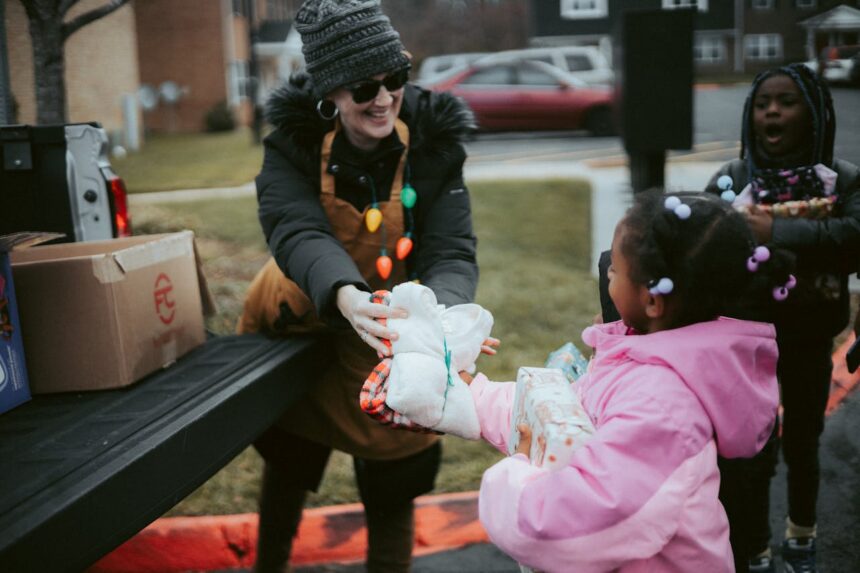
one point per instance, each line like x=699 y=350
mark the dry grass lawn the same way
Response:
x=534 y=259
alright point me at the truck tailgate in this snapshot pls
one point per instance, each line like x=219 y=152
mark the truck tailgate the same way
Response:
x=83 y=472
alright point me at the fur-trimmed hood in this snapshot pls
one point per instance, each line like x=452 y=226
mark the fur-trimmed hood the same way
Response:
x=435 y=120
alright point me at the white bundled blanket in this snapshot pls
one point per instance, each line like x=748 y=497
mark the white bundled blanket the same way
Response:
x=434 y=344
x=545 y=400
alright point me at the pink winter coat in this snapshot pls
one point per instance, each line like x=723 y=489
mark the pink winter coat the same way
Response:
x=641 y=495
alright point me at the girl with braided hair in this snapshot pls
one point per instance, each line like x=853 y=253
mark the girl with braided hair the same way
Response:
x=671 y=384
x=797 y=196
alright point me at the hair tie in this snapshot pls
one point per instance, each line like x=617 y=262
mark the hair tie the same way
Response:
x=725 y=184
x=660 y=286
x=780 y=293
x=760 y=255
x=674 y=204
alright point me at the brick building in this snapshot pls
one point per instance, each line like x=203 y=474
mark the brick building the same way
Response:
x=197 y=49
x=107 y=45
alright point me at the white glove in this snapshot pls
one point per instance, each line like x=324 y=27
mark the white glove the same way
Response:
x=355 y=306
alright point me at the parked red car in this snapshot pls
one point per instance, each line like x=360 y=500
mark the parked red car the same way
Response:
x=531 y=95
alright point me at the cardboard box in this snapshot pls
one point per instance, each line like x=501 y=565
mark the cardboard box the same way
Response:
x=104 y=314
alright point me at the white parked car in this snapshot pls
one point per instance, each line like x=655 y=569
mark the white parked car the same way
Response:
x=839 y=62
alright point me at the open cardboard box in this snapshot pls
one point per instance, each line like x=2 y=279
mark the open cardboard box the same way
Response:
x=104 y=314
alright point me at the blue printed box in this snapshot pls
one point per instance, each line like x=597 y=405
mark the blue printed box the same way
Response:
x=14 y=388
x=14 y=385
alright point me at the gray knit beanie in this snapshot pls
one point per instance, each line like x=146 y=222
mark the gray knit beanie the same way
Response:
x=345 y=41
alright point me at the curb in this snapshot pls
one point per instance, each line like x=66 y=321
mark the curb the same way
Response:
x=326 y=535
x=842 y=382
x=334 y=534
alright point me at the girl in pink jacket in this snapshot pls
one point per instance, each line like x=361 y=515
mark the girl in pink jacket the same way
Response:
x=671 y=385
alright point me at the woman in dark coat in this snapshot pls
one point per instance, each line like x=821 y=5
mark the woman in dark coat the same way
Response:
x=353 y=143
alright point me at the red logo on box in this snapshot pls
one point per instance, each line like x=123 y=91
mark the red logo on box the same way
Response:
x=165 y=306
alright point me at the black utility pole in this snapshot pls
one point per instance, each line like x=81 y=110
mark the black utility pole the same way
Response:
x=656 y=90
x=254 y=73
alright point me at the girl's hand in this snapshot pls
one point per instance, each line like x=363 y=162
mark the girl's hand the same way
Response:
x=525 y=445
x=355 y=306
x=761 y=224
x=489 y=346
x=466 y=377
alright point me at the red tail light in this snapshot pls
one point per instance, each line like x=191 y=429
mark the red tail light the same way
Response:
x=120 y=201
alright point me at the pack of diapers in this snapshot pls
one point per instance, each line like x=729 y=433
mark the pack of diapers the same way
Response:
x=545 y=400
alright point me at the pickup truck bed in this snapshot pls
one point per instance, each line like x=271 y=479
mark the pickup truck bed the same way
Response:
x=83 y=472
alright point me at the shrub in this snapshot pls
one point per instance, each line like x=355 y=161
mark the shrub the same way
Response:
x=220 y=118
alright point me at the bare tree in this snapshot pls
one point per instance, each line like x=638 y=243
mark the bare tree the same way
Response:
x=430 y=27
x=49 y=32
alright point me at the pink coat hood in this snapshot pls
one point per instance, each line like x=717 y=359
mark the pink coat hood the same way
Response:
x=730 y=365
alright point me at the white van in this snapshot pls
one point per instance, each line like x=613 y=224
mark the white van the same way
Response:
x=586 y=63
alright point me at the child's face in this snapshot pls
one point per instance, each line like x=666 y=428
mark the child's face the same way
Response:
x=626 y=294
x=781 y=120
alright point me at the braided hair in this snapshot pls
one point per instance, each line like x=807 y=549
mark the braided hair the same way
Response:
x=817 y=97
x=705 y=256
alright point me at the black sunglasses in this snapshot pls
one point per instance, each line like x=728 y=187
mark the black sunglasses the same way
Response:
x=367 y=90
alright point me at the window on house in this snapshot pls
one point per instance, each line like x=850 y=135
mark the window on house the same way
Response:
x=238 y=75
x=702 y=5
x=709 y=49
x=763 y=47
x=805 y=3
x=239 y=7
x=582 y=9
x=762 y=4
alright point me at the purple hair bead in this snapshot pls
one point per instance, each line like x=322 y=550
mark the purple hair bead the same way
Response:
x=780 y=293
x=760 y=255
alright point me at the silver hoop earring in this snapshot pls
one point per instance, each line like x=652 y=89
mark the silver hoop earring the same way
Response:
x=326 y=109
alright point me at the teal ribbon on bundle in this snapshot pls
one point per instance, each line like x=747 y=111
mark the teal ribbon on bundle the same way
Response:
x=447 y=368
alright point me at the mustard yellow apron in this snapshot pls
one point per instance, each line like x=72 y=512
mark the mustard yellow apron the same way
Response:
x=330 y=412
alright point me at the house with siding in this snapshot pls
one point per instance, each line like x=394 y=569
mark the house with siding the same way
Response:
x=731 y=36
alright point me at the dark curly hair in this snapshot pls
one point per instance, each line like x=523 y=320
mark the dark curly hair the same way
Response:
x=704 y=255
x=816 y=95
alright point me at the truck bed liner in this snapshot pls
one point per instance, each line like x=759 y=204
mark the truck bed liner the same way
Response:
x=83 y=472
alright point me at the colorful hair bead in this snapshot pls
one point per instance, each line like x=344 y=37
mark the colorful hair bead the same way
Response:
x=674 y=204
x=760 y=255
x=780 y=293
x=725 y=184
x=662 y=286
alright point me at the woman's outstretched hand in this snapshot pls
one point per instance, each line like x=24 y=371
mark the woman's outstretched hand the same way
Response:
x=355 y=306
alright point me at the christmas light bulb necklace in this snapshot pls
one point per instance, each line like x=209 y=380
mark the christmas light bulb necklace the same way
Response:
x=373 y=220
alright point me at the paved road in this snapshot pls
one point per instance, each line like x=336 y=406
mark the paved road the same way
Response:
x=716 y=138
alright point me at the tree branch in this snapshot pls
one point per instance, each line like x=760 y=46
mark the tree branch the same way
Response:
x=73 y=26
x=33 y=11
x=65 y=5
